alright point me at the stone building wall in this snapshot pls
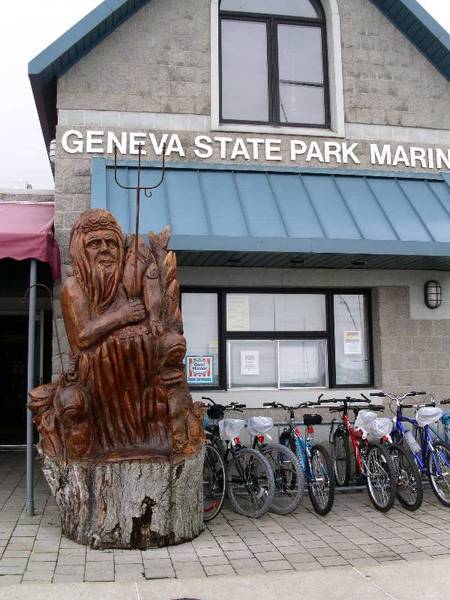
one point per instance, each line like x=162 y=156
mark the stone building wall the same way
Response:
x=409 y=354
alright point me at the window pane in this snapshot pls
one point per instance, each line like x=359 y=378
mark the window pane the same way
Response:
x=252 y=363
x=201 y=332
x=244 y=71
x=300 y=62
x=300 y=58
x=302 y=104
x=303 y=363
x=351 y=340
x=250 y=312
x=276 y=312
x=300 y=312
x=291 y=8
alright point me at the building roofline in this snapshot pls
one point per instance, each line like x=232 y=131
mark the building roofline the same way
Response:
x=44 y=70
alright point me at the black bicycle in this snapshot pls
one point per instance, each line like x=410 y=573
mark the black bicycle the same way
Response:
x=229 y=467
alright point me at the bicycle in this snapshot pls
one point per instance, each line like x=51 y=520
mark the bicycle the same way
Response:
x=372 y=460
x=431 y=456
x=314 y=459
x=243 y=473
x=288 y=474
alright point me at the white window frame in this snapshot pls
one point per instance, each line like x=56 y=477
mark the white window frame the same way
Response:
x=336 y=85
x=231 y=388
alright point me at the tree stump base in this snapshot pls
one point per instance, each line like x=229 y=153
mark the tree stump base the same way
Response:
x=128 y=504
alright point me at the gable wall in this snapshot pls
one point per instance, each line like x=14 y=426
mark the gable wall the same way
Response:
x=159 y=61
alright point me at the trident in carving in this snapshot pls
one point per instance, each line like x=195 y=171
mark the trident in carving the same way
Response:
x=138 y=189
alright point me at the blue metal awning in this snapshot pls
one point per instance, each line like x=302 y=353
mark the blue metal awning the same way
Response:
x=223 y=215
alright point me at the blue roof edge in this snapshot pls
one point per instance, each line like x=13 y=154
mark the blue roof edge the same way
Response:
x=420 y=15
x=73 y=35
x=428 y=21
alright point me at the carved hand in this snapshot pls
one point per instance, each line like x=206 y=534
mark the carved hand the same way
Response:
x=134 y=311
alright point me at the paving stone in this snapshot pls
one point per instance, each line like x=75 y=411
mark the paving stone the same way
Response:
x=10 y=579
x=276 y=565
x=67 y=578
x=266 y=556
x=12 y=569
x=214 y=560
x=301 y=559
x=60 y=569
x=37 y=577
x=220 y=570
x=239 y=554
x=189 y=570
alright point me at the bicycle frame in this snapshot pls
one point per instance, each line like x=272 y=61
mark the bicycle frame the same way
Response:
x=355 y=438
x=426 y=446
x=303 y=446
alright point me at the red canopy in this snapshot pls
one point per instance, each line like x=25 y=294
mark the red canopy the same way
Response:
x=26 y=231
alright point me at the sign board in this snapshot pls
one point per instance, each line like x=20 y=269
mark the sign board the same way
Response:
x=254 y=149
x=352 y=342
x=238 y=312
x=200 y=369
x=249 y=362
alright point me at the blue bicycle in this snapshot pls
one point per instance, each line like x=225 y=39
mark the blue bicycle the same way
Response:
x=314 y=459
x=432 y=456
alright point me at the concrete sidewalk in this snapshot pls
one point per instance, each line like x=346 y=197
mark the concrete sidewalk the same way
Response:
x=33 y=549
x=428 y=580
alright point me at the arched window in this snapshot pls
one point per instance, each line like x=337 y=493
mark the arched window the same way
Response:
x=273 y=65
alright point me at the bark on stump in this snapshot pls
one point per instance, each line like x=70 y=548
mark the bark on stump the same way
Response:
x=128 y=504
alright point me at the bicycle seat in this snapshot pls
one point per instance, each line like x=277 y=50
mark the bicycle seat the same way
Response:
x=259 y=425
x=231 y=428
x=309 y=419
x=427 y=415
x=215 y=411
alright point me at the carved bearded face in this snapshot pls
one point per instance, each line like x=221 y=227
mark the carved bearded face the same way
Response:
x=96 y=251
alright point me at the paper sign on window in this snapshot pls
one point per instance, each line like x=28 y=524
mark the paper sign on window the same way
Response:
x=249 y=362
x=238 y=313
x=352 y=342
x=200 y=369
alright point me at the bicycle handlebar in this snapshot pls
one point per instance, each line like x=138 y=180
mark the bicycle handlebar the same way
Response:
x=284 y=407
x=232 y=406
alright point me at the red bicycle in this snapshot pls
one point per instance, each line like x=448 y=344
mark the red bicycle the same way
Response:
x=372 y=459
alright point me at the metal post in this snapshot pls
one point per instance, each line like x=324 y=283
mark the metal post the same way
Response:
x=30 y=383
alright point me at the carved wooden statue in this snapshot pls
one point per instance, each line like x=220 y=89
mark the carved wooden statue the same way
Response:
x=120 y=436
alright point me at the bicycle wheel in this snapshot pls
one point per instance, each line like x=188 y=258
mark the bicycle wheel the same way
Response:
x=341 y=458
x=381 y=478
x=409 y=483
x=439 y=472
x=321 y=480
x=288 y=476
x=213 y=483
x=250 y=483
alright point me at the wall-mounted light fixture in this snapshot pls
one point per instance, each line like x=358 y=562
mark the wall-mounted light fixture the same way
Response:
x=432 y=294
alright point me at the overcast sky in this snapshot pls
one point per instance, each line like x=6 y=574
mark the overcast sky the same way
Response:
x=26 y=28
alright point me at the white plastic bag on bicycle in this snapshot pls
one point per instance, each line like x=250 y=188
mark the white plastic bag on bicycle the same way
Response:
x=231 y=428
x=259 y=425
x=427 y=415
x=379 y=428
x=364 y=418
